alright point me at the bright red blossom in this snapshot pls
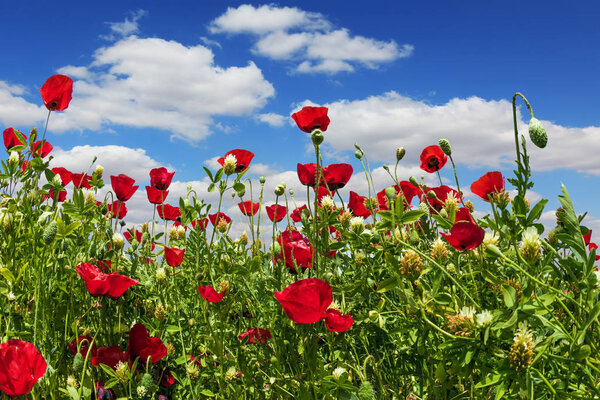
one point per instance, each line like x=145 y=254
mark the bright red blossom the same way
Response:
x=11 y=139
x=160 y=178
x=337 y=175
x=81 y=180
x=356 y=204
x=296 y=215
x=211 y=295
x=256 y=335
x=65 y=175
x=21 y=365
x=98 y=283
x=123 y=186
x=433 y=158
x=143 y=346
x=166 y=211
x=311 y=118
x=173 y=256
x=117 y=207
x=41 y=149
x=57 y=92
x=465 y=236
x=200 y=223
x=248 y=207
x=242 y=157
x=276 y=208
x=214 y=220
x=156 y=196
x=337 y=322
x=305 y=301
x=488 y=184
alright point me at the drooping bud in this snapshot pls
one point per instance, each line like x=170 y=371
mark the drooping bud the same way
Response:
x=537 y=133
x=445 y=146
x=400 y=153
x=291 y=192
x=317 y=137
x=358 y=154
x=414 y=181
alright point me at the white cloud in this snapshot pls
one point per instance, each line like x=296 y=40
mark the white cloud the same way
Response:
x=125 y=28
x=16 y=111
x=272 y=119
x=308 y=39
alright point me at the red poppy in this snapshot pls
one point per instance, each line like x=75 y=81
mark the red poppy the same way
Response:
x=129 y=236
x=41 y=149
x=311 y=118
x=488 y=184
x=200 y=223
x=323 y=191
x=305 y=301
x=249 y=208
x=160 y=178
x=465 y=236
x=242 y=157
x=173 y=256
x=110 y=356
x=256 y=335
x=167 y=379
x=356 y=204
x=463 y=214
x=281 y=212
x=60 y=197
x=21 y=365
x=214 y=220
x=57 y=92
x=307 y=173
x=337 y=175
x=296 y=215
x=11 y=139
x=587 y=238
x=156 y=196
x=409 y=191
x=117 y=207
x=123 y=186
x=85 y=346
x=433 y=158
x=104 y=265
x=166 y=211
x=65 y=175
x=98 y=283
x=143 y=346
x=298 y=253
x=81 y=180
x=442 y=193
x=337 y=322
x=211 y=295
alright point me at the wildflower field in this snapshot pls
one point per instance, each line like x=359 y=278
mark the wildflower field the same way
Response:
x=397 y=293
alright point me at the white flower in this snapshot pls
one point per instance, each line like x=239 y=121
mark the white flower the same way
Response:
x=468 y=312
x=328 y=203
x=484 y=318
x=229 y=164
x=357 y=224
x=338 y=372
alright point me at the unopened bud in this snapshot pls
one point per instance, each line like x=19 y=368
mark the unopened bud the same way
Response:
x=317 y=137
x=279 y=190
x=262 y=179
x=445 y=145
x=56 y=181
x=400 y=152
x=291 y=192
x=537 y=133
x=33 y=135
x=118 y=241
x=414 y=181
x=385 y=167
x=390 y=193
x=13 y=159
x=358 y=154
x=99 y=171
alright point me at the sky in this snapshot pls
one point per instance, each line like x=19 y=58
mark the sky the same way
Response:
x=178 y=84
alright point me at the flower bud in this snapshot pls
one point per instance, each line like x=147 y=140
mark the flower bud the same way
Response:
x=317 y=137
x=117 y=241
x=279 y=190
x=400 y=153
x=99 y=171
x=50 y=232
x=414 y=181
x=390 y=193
x=56 y=181
x=33 y=135
x=78 y=362
x=358 y=154
x=431 y=194
x=445 y=146
x=385 y=167
x=262 y=179
x=13 y=159
x=444 y=213
x=537 y=133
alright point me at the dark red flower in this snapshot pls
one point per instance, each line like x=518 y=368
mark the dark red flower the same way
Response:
x=11 y=139
x=200 y=223
x=123 y=186
x=65 y=175
x=305 y=301
x=296 y=215
x=337 y=175
x=173 y=256
x=57 y=92
x=323 y=191
x=442 y=193
x=298 y=254
x=167 y=378
x=242 y=157
x=214 y=220
x=110 y=356
x=433 y=158
x=143 y=346
x=337 y=322
x=85 y=346
x=211 y=295
x=587 y=238
x=117 y=207
x=311 y=118
x=21 y=365
x=98 y=283
x=60 y=197
x=166 y=211
x=465 y=236
x=256 y=335
x=409 y=191
x=307 y=174
x=81 y=180
x=281 y=212
x=488 y=184
x=463 y=214
x=156 y=196
x=41 y=149
x=248 y=207
x=160 y=178
x=129 y=236
x=356 y=204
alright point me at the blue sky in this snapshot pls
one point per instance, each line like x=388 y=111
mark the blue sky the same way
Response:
x=181 y=83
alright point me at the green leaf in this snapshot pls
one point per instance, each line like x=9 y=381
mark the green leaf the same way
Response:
x=536 y=211
x=218 y=175
x=211 y=188
x=411 y=216
x=210 y=175
x=388 y=284
x=510 y=296
x=73 y=393
x=207 y=393
x=239 y=187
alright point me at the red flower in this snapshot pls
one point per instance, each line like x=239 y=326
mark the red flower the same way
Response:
x=307 y=173
x=156 y=196
x=311 y=118
x=166 y=211
x=594 y=246
x=167 y=379
x=305 y=301
x=57 y=92
x=587 y=238
x=200 y=223
x=465 y=236
x=488 y=184
x=60 y=197
x=11 y=139
x=110 y=356
x=298 y=254
x=242 y=157
x=160 y=178
x=356 y=204
x=65 y=175
x=123 y=186
x=433 y=158
x=129 y=236
x=211 y=295
x=143 y=346
x=21 y=365
x=81 y=180
x=337 y=322
x=463 y=214
x=409 y=191
x=117 y=207
x=442 y=193
x=41 y=149
x=173 y=256
x=249 y=208
x=214 y=220
x=296 y=215
x=98 y=283
x=256 y=335
x=85 y=346
x=281 y=212
x=324 y=192
x=337 y=175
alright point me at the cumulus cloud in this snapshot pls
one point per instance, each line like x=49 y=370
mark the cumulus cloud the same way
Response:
x=125 y=28
x=306 y=38
x=272 y=119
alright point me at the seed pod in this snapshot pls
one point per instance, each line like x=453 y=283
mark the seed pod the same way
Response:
x=445 y=145
x=78 y=362
x=400 y=152
x=537 y=133
x=50 y=232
